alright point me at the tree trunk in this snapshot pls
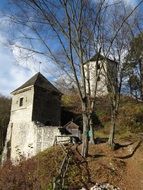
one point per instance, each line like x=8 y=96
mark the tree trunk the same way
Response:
x=112 y=131
x=91 y=130
x=84 y=151
x=141 y=78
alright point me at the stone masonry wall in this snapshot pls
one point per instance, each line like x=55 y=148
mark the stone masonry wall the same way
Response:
x=101 y=81
x=24 y=112
x=27 y=139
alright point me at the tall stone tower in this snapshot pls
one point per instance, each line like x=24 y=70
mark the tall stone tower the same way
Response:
x=35 y=113
x=101 y=73
x=36 y=100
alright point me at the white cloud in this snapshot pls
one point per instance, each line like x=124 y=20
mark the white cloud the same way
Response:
x=18 y=65
x=11 y=75
x=34 y=62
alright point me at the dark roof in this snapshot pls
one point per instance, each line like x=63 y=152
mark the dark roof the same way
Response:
x=71 y=125
x=100 y=57
x=64 y=131
x=40 y=81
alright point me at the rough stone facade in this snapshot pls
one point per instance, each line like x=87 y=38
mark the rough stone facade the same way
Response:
x=23 y=112
x=27 y=139
x=103 y=71
x=35 y=118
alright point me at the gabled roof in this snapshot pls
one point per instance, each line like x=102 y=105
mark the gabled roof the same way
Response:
x=40 y=81
x=71 y=125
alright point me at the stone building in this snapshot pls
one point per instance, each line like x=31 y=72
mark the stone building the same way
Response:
x=36 y=100
x=99 y=72
x=35 y=118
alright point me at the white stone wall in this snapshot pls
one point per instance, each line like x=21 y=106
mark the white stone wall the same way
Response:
x=27 y=139
x=98 y=75
x=45 y=137
x=22 y=113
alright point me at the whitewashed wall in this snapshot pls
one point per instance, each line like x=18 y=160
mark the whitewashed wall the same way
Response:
x=27 y=139
x=93 y=74
x=23 y=113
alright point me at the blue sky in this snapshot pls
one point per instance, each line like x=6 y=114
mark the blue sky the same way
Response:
x=11 y=74
x=14 y=71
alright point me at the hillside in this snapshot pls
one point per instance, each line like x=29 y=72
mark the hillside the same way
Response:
x=5 y=104
x=130 y=117
x=122 y=168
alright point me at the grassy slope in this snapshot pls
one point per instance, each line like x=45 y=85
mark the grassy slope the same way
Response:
x=35 y=173
x=130 y=118
x=102 y=164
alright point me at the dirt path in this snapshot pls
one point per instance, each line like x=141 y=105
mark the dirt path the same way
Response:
x=134 y=178
x=122 y=168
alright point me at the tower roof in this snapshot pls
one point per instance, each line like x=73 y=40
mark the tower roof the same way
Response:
x=40 y=81
x=100 y=57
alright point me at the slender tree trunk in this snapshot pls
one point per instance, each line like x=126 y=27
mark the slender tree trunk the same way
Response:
x=141 y=78
x=91 y=130
x=84 y=151
x=112 y=131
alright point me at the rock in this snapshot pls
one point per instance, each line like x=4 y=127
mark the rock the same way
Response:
x=104 y=186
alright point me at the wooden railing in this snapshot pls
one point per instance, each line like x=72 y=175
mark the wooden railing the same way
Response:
x=68 y=139
x=59 y=180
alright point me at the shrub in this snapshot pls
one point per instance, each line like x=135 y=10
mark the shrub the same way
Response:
x=33 y=174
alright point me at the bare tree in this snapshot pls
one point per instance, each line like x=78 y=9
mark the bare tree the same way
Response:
x=115 y=69
x=4 y=118
x=135 y=60
x=68 y=33
x=72 y=26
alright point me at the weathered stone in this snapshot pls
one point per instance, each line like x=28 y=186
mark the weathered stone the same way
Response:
x=104 y=186
x=35 y=118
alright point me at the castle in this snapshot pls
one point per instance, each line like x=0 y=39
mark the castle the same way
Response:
x=35 y=118
x=100 y=74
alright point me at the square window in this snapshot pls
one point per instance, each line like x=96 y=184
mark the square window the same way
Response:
x=21 y=102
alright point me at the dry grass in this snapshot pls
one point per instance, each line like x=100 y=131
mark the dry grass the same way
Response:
x=119 y=167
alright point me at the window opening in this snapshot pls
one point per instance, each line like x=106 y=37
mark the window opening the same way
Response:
x=21 y=102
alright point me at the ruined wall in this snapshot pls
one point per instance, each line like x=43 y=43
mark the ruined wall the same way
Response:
x=27 y=139
x=22 y=141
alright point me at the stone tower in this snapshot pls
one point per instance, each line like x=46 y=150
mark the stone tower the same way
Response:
x=36 y=100
x=104 y=71
x=35 y=113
